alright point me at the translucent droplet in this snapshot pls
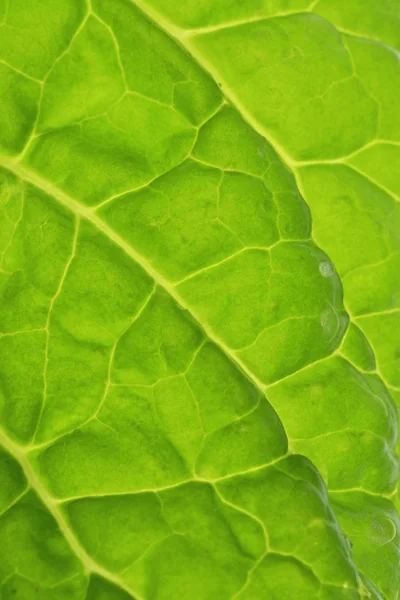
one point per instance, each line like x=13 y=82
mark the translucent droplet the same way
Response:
x=382 y=531
x=326 y=268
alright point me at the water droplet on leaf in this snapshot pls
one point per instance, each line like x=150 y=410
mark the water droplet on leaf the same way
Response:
x=326 y=268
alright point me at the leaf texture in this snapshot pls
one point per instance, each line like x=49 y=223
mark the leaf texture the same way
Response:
x=199 y=258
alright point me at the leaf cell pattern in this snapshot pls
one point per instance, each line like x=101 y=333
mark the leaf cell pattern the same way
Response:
x=196 y=400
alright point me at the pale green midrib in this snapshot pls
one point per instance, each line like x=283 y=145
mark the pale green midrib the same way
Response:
x=182 y=33
x=90 y=215
x=186 y=33
x=54 y=508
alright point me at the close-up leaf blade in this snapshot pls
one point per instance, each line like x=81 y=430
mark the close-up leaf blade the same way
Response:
x=199 y=305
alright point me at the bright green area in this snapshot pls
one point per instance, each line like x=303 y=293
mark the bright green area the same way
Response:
x=379 y=21
x=207 y=13
x=370 y=264
x=199 y=300
x=263 y=61
x=357 y=349
x=374 y=522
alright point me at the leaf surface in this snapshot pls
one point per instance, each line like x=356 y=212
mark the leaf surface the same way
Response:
x=176 y=351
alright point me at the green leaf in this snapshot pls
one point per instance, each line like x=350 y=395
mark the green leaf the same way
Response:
x=199 y=254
